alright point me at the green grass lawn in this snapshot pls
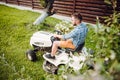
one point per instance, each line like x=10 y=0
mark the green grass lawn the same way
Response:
x=15 y=31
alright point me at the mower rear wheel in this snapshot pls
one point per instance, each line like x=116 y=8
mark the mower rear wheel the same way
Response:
x=31 y=55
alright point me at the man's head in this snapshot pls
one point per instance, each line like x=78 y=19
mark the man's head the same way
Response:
x=76 y=18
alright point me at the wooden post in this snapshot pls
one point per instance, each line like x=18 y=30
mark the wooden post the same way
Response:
x=6 y=1
x=74 y=5
x=18 y=2
x=32 y=4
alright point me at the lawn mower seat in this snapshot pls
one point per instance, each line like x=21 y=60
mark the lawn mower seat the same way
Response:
x=78 y=49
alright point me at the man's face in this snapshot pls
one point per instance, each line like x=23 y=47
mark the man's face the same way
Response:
x=73 y=20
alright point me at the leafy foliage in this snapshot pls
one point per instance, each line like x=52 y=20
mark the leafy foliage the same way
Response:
x=112 y=19
x=64 y=27
x=43 y=3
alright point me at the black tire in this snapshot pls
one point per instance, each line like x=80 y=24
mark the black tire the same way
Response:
x=50 y=68
x=31 y=55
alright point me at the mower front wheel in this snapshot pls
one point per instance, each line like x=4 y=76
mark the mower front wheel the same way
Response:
x=31 y=55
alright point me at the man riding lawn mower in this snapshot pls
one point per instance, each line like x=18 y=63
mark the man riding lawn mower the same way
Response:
x=62 y=46
x=71 y=40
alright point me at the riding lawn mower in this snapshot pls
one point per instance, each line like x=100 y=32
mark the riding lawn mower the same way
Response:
x=42 y=41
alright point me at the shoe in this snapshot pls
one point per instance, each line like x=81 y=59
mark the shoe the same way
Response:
x=49 y=56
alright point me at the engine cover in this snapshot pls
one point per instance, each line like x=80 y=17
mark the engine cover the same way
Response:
x=41 y=39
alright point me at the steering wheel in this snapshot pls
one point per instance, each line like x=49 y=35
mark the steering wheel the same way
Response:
x=54 y=39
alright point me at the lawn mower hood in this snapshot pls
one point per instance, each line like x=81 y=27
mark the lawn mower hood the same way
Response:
x=41 y=39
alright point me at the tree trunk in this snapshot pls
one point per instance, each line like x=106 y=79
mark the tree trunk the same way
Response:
x=46 y=13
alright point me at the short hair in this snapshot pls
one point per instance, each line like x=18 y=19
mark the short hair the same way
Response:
x=77 y=15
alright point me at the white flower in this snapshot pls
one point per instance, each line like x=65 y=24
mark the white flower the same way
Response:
x=64 y=26
x=112 y=56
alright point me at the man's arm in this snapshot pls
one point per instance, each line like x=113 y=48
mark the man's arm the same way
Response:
x=70 y=35
x=67 y=36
